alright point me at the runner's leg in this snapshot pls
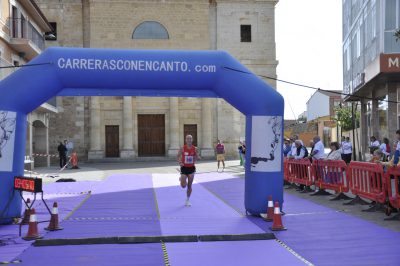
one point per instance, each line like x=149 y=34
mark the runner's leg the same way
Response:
x=183 y=180
x=189 y=185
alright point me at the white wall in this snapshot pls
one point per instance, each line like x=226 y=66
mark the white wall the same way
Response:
x=317 y=106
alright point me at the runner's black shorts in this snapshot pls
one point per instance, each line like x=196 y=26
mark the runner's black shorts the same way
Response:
x=188 y=170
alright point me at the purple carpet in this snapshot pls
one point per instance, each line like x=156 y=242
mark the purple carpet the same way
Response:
x=99 y=255
x=207 y=215
x=9 y=233
x=254 y=253
x=123 y=205
x=126 y=206
x=321 y=235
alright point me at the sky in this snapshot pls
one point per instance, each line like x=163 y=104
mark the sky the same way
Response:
x=308 y=35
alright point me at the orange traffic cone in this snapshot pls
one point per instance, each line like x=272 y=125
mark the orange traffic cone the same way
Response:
x=277 y=224
x=33 y=232
x=53 y=225
x=27 y=212
x=270 y=211
x=74 y=160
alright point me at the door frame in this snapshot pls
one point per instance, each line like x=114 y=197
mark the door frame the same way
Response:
x=105 y=141
x=166 y=132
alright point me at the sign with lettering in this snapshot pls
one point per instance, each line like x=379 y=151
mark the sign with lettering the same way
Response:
x=390 y=63
x=132 y=65
x=28 y=184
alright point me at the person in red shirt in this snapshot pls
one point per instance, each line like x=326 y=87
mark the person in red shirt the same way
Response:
x=187 y=157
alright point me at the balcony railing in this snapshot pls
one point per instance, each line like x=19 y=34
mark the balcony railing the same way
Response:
x=23 y=29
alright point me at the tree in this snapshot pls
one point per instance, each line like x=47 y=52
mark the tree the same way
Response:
x=397 y=34
x=344 y=118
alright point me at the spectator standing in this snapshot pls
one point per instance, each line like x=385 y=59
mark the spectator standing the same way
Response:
x=346 y=149
x=319 y=149
x=293 y=150
x=286 y=147
x=373 y=145
x=242 y=152
x=396 y=155
x=397 y=152
x=70 y=148
x=301 y=151
x=335 y=153
x=385 y=149
x=220 y=151
x=312 y=149
x=377 y=156
x=62 y=153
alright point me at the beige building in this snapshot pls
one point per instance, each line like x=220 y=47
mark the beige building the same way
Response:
x=131 y=127
x=22 y=32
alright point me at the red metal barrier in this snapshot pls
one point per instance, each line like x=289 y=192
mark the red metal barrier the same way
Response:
x=299 y=171
x=367 y=180
x=331 y=175
x=394 y=198
x=285 y=169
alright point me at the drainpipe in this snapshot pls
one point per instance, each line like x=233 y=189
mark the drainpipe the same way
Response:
x=353 y=124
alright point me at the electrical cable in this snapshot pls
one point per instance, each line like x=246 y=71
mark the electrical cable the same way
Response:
x=311 y=87
x=26 y=65
x=319 y=89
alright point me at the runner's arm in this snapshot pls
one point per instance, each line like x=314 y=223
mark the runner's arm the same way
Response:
x=197 y=154
x=179 y=157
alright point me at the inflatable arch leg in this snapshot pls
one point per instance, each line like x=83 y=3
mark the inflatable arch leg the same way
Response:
x=12 y=144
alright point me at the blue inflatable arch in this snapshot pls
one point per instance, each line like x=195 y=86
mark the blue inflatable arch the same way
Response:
x=108 y=72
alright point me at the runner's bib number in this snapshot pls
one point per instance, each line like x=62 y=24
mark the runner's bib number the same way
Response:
x=188 y=159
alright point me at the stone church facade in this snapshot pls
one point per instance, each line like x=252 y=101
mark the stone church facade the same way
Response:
x=134 y=127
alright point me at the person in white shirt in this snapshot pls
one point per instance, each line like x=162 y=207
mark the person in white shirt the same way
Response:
x=346 y=149
x=70 y=148
x=385 y=148
x=319 y=149
x=301 y=151
x=293 y=150
x=374 y=144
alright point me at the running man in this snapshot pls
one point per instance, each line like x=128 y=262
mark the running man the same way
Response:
x=187 y=157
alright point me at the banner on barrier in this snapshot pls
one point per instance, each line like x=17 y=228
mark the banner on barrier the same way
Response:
x=7 y=139
x=266 y=143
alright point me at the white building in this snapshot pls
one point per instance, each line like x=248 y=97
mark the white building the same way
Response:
x=322 y=103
